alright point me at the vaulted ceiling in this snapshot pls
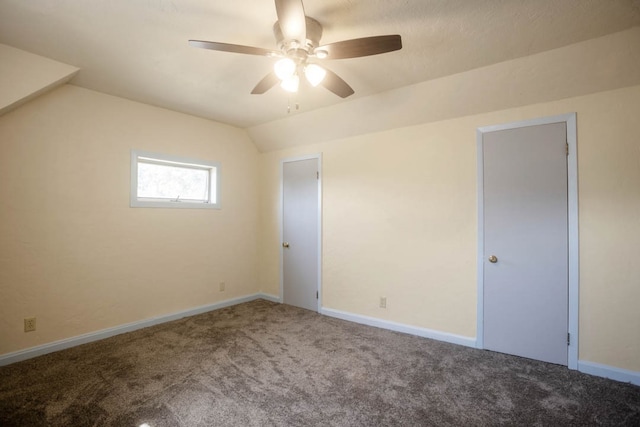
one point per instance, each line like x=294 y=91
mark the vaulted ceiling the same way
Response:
x=138 y=49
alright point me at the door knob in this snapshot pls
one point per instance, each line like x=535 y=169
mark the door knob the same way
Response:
x=493 y=259
x=285 y=244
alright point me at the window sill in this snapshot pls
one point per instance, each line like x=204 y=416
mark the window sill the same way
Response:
x=173 y=205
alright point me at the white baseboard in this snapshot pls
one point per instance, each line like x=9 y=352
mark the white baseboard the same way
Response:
x=606 y=371
x=17 y=356
x=400 y=327
x=270 y=297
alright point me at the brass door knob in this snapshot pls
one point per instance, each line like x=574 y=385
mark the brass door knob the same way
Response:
x=493 y=259
x=285 y=244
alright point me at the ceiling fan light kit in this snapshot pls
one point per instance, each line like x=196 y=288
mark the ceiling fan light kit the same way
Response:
x=287 y=71
x=298 y=40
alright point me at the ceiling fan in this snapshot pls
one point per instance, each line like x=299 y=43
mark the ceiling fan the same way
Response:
x=298 y=40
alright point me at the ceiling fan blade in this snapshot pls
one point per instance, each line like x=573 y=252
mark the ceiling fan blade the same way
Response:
x=365 y=46
x=292 y=20
x=336 y=85
x=269 y=81
x=235 y=48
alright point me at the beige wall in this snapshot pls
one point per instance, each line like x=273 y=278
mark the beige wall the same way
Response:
x=399 y=220
x=75 y=255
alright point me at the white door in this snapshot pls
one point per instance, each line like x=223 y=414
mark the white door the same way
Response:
x=525 y=242
x=300 y=226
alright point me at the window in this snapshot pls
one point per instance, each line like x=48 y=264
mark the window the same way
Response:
x=163 y=181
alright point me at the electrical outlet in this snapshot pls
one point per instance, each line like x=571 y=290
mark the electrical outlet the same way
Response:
x=29 y=324
x=222 y=286
x=383 y=302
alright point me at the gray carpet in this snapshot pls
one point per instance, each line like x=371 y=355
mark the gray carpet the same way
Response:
x=263 y=364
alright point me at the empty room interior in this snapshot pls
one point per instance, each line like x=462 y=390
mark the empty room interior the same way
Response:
x=437 y=188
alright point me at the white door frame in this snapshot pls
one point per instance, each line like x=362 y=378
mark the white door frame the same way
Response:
x=317 y=156
x=572 y=189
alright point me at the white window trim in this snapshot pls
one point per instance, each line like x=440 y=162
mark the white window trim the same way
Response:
x=135 y=202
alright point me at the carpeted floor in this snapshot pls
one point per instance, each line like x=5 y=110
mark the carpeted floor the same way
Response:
x=264 y=364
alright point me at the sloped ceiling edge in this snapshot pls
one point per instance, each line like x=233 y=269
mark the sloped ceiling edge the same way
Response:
x=25 y=76
x=606 y=63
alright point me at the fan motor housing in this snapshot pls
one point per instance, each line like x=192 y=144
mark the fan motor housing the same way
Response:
x=314 y=33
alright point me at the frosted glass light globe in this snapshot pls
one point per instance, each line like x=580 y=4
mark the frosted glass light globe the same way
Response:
x=315 y=74
x=291 y=84
x=285 y=68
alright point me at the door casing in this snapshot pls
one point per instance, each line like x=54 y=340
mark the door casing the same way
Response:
x=572 y=212
x=317 y=156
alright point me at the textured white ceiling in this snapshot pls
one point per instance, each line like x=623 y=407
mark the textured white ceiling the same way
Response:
x=138 y=49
